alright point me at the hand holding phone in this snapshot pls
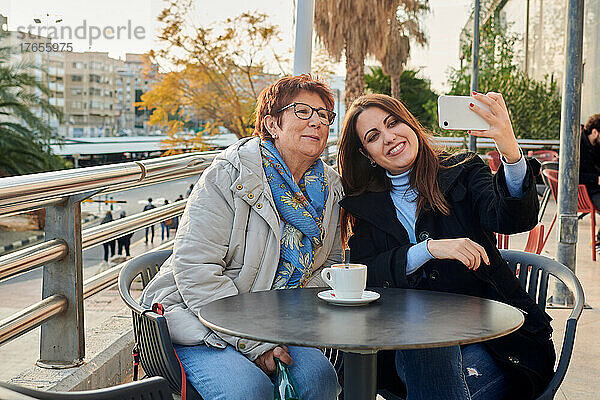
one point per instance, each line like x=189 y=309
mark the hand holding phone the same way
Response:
x=455 y=114
x=482 y=115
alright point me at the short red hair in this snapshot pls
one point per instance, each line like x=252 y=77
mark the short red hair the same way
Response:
x=281 y=93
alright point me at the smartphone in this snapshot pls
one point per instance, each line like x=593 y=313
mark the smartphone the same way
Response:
x=455 y=114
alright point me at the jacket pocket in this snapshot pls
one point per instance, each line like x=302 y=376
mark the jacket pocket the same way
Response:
x=213 y=340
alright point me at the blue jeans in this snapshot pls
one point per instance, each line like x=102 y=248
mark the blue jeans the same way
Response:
x=226 y=374
x=467 y=373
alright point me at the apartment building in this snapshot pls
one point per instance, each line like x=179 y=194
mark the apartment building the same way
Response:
x=96 y=93
x=100 y=93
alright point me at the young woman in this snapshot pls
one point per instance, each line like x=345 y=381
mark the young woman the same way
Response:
x=421 y=218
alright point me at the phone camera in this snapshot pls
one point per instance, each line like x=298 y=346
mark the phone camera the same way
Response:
x=445 y=123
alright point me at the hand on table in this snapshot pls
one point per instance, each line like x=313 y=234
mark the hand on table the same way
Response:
x=464 y=250
x=501 y=131
x=266 y=361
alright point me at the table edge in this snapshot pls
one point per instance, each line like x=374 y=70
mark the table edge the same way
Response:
x=350 y=347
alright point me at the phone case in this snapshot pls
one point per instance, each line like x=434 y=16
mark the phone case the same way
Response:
x=454 y=114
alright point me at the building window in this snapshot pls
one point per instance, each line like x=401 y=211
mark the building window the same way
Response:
x=76 y=91
x=96 y=65
x=77 y=65
x=76 y=78
x=95 y=78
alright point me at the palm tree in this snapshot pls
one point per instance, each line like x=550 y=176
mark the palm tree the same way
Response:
x=24 y=137
x=357 y=28
x=402 y=29
x=369 y=27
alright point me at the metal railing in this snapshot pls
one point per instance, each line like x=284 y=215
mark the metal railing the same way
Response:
x=60 y=312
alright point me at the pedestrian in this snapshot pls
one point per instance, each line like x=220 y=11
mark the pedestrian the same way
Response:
x=124 y=241
x=147 y=207
x=110 y=245
x=164 y=225
x=589 y=161
x=189 y=191
x=180 y=197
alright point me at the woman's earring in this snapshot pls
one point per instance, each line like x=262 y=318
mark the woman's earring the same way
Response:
x=373 y=164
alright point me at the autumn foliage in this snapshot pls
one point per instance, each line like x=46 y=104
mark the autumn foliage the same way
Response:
x=211 y=76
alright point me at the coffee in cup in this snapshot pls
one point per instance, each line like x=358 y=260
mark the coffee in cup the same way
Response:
x=348 y=281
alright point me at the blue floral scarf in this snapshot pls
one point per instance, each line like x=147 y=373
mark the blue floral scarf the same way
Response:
x=301 y=208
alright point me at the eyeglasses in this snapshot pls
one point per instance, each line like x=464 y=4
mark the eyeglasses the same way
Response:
x=304 y=111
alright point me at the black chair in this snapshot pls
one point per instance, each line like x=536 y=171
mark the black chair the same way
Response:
x=533 y=271
x=155 y=388
x=157 y=356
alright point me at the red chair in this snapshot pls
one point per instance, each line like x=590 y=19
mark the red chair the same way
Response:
x=544 y=155
x=535 y=240
x=494 y=162
x=584 y=205
x=502 y=240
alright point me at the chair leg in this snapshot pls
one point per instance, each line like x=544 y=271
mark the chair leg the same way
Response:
x=549 y=230
x=593 y=212
x=544 y=203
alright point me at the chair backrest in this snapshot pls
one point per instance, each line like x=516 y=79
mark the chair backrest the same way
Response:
x=535 y=240
x=584 y=202
x=502 y=240
x=150 y=329
x=552 y=177
x=493 y=160
x=532 y=271
x=155 y=388
x=545 y=155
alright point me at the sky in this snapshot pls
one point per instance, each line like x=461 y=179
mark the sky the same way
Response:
x=134 y=21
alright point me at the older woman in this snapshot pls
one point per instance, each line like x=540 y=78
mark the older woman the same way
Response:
x=420 y=218
x=263 y=216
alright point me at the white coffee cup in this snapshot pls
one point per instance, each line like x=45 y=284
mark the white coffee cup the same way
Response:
x=348 y=281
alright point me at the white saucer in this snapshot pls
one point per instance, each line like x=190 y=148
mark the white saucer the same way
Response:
x=366 y=298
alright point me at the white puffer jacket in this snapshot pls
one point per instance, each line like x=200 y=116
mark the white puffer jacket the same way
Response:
x=228 y=242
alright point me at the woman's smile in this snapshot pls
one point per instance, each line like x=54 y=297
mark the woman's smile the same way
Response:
x=397 y=149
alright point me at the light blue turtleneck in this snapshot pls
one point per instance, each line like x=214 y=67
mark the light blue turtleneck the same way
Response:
x=405 y=201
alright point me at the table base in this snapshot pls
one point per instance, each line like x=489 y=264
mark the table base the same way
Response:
x=360 y=376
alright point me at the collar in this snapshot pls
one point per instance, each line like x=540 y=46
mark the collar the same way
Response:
x=376 y=207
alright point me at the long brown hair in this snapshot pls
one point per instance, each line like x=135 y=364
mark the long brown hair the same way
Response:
x=358 y=176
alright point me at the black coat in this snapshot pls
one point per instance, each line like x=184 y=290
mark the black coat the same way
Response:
x=589 y=165
x=480 y=204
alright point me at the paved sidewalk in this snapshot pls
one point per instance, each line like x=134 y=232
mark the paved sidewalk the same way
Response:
x=22 y=353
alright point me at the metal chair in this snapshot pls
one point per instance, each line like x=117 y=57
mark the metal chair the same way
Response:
x=544 y=155
x=584 y=205
x=533 y=271
x=502 y=240
x=535 y=240
x=156 y=352
x=552 y=165
x=493 y=160
x=155 y=388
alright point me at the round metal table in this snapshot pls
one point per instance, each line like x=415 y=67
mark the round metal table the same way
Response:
x=400 y=319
